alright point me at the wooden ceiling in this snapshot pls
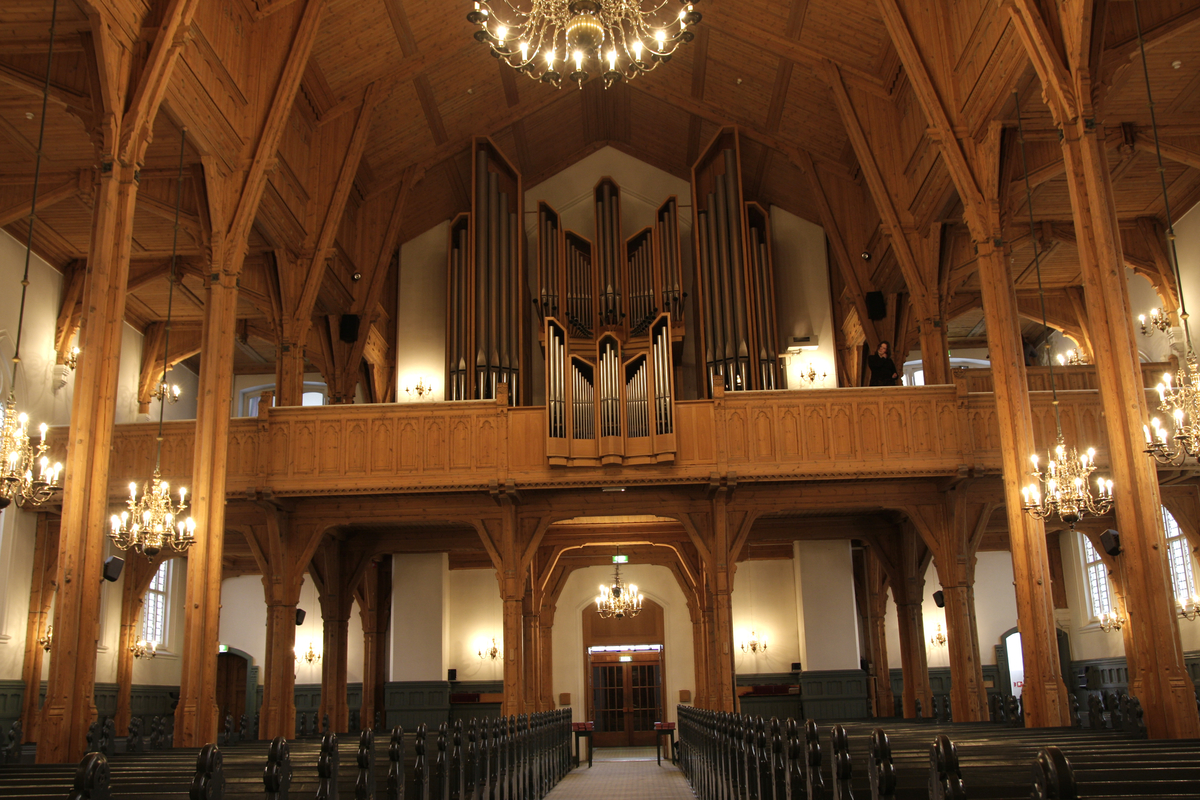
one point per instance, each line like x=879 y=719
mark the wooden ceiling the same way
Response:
x=764 y=65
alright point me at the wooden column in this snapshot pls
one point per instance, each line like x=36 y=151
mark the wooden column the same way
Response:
x=277 y=716
x=70 y=707
x=196 y=717
x=334 y=658
x=876 y=628
x=41 y=595
x=546 y=699
x=913 y=659
x=502 y=532
x=375 y=610
x=1045 y=695
x=935 y=352
x=531 y=646
x=953 y=530
x=139 y=571
x=700 y=657
x=721 y=583
x=1157 y=674
x=289 y=373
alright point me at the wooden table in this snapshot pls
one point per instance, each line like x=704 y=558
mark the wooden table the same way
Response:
x=667 y=730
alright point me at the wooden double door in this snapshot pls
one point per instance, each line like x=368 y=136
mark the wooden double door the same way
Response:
x=626 y=697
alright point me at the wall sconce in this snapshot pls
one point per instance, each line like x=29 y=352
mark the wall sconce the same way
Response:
x=812 y=377
x=754 y=645
x=72 y=360
x=419 y=390
x=1111 y=621
x=1189 y=609
x=172 y=393
x=1158 y=321
x=939 y=638
x=143 y=649
x=48 y=639
x=310 y=655
x=489 y=653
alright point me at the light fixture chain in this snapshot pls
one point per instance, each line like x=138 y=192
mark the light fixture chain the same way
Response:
x=37 y=174
x=1037 y=266
x=162 y=403
x=1162 y=177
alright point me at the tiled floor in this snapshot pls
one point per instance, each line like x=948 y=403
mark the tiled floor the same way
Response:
x=623 y=779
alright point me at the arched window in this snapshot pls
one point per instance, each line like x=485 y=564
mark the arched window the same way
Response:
x=1180 y=557
x=1099 y=596
x=154 y=609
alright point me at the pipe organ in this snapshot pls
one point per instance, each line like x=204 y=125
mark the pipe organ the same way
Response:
x=612 y=311
x=735 y=278
x=486 y=340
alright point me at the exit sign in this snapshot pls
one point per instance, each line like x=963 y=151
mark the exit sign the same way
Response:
x=620 y=559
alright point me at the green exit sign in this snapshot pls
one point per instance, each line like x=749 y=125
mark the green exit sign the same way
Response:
x=620 y=559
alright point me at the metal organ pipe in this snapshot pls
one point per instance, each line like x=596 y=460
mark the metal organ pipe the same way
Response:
x=480 y=218
x=504 y=279
x=737 y=274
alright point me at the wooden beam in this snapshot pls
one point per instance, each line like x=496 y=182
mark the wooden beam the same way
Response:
x=35 y=84
x=1056 y=80
x=919 y=292
x=268 y=144
x=841 y=254
x=337 y=204
x=137 y=127
x=46 y=199
x=433 y=117
x=1173 y=152
x=942 y=130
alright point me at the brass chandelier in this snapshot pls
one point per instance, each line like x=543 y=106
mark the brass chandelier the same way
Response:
x=1063 y=490
x=25 y=473
x=153 y=520
x=1178 y=398
x=618 y=600
x=613 y=39
x=143 y=649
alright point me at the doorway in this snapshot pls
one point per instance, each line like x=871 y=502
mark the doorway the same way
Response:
x=626 y=694
x=624 y=671
x=232 y=675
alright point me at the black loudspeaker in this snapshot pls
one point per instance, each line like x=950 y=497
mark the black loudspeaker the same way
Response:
x=795 y=666
x=939 y=598
x=1110 y=540
x=451 y=674
x=299 y=616
x=876 y=305
x=348 y=328
x=112 y=568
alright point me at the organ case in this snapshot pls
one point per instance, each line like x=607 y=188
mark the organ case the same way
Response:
x=735 y=279
x=612 y=312
x=485 y=334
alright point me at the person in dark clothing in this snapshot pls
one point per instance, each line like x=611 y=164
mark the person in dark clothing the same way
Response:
x=883 y=369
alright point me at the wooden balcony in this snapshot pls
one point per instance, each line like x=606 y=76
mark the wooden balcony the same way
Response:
x=821 y=434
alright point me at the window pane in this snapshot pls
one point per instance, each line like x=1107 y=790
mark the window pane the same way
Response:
x=312 y=399
x=1099 y=600
x=1179 y=558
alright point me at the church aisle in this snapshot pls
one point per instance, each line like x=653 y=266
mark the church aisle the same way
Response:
x=623 y=780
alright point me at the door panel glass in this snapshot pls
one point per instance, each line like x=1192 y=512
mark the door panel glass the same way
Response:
x=608 y=686
x=646 y=696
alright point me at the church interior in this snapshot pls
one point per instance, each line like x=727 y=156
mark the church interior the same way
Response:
x=437 y=336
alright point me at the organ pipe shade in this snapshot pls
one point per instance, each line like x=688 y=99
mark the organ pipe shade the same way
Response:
x=485 y=331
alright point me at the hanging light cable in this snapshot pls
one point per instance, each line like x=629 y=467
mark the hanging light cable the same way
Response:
x=152 y=521
x=1063 y=489
x=25 y=472
x=1179 y=398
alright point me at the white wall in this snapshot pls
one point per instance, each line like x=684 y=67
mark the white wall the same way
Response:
x=421 y=313
x=244 y=617
x=657 y=584
x=802 y=301
x=824 y=573
x=764 y=603
x=35 y=396
x=419 y=632
x=995 y=611
x=476 y=616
